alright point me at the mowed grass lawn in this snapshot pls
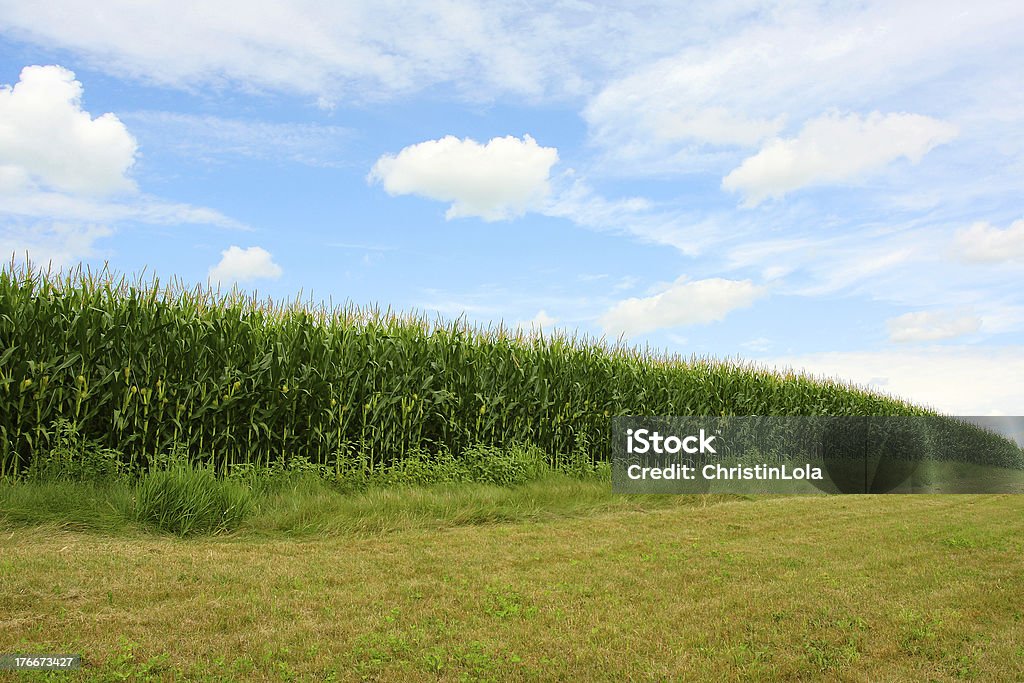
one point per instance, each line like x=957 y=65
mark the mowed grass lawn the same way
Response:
x=858 y=588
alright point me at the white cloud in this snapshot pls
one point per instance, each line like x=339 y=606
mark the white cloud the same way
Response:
x=35 y=204
x=958 y=380
x=490 y=194
x=54 y=243
x=1000 y=314
x=541 y=321
x=757 y=345
x=633 y=129
x=626 y=282
x=368 y=49
x=576 y=201
x=835 y=149
x=498 y=180
x=734 y=83
x=851 y=269
x=921 y=326
x=213 y=137
x=715 y=126
x=47 y=138
x=685 y=302
x=327 y=51
x=985 y=243
x=746 y=59
x=59 y=167
x=244 y=265
x=907 y=265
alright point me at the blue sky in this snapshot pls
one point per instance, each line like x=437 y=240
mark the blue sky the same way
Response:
x=835 y=187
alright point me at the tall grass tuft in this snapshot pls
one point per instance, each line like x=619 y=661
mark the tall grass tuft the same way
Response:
x=185 y=500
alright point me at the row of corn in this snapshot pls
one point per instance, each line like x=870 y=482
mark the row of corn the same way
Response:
x=143 y=367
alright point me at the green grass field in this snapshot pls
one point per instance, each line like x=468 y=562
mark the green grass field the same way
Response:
x=560 y=581
x=197 y=486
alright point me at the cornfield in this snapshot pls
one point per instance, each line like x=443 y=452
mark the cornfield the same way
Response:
x=144 y=368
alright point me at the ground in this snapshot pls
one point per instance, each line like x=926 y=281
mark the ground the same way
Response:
x=855 y=588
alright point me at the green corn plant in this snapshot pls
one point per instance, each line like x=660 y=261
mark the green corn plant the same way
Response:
x=143 y=367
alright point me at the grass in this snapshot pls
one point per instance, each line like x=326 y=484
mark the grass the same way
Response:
x=855 y=588
x=305 y=505
x=73 y=488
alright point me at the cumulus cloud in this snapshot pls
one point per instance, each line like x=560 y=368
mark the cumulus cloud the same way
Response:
x=244 y=265
x=48 y=139
x=64 y=180
x=985 y=243
x=498 y=180
x=921 y=326
x=835 y=149
x=685 y=302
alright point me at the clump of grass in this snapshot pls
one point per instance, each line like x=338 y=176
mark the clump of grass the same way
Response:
x=183 y=499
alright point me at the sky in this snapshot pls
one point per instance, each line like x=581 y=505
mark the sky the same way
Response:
x=825 y=186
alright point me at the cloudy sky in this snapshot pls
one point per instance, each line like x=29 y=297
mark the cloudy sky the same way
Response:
x=837 y=187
